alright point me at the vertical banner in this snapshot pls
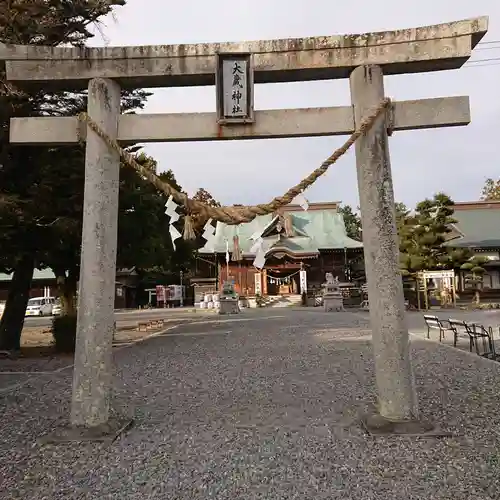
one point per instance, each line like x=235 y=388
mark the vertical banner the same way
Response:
x=303 y=281
x=160 y=294
x=258 y=284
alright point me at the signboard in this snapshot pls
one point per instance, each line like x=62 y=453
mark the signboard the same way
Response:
x=303 y=281
x=174 y=292
x=234 y=87
x=258 y=284
x=437 y=274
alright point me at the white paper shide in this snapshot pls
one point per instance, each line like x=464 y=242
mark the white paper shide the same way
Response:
x=260 y=253
x=303 y=202
x=171 y=211
x=209 y=233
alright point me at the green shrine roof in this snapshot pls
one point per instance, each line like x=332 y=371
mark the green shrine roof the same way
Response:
x=44 y=274
x=480 y=226
x=314 y=230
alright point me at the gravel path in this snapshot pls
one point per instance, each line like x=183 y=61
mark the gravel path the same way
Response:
x=260 y=409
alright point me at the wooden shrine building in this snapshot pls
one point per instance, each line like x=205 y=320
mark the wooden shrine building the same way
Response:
x=478 y=229
x=314 y=240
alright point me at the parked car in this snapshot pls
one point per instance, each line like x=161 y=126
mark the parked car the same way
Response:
x=40 y=306
x=56 y=310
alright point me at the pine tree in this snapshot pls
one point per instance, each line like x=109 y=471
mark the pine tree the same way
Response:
x=423 y=233
x=352 y=222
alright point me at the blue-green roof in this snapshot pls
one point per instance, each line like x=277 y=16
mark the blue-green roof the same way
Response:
x=315 y=229
x=480 y=228
x=47 y=274
x=44 y=274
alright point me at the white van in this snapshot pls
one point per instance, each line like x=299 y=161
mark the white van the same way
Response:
x=56 y=308
x=40 y=306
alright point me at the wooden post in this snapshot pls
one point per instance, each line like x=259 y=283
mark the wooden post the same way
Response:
x=393 y=370
x=417 y=285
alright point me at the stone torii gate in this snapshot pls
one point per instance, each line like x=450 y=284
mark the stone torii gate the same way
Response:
x=364 y=59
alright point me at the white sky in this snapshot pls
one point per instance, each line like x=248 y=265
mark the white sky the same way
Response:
x=455 y=160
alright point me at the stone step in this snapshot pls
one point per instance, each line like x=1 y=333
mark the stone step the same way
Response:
x=282 y=301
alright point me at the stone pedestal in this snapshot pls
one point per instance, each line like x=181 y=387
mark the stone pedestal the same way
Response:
x=332 y=296
x=229 y=299
x=102 y=433
x=333 y=303
x=229 y=306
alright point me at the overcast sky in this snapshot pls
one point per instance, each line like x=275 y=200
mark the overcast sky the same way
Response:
x=455 y=160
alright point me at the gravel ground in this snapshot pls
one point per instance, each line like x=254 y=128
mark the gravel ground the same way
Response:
x=260 y=409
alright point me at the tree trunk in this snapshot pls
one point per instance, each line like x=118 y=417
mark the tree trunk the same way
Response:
x=70 y=291
x=12 y=322
x=477 y=297
x=67 y=291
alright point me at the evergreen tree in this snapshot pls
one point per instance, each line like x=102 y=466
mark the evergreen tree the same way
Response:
x=422 y=234
x=422 y=237
x=491 y=190
x=40 y=206
x=203 y=196
x=474 y=268
x=352 y=222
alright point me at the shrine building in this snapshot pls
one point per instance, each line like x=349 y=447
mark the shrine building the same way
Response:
x=314 y=240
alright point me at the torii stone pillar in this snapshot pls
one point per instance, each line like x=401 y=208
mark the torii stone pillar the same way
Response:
x=92 y=372
x=396 y=392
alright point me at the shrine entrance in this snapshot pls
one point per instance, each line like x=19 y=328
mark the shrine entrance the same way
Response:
x=283 y=281
x=235 y=68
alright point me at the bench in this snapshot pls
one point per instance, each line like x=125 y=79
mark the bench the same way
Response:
x=434 y=323
x=477 y=332
x=461 y=327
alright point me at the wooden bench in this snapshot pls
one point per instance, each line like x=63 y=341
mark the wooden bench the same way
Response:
x=434 y=323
